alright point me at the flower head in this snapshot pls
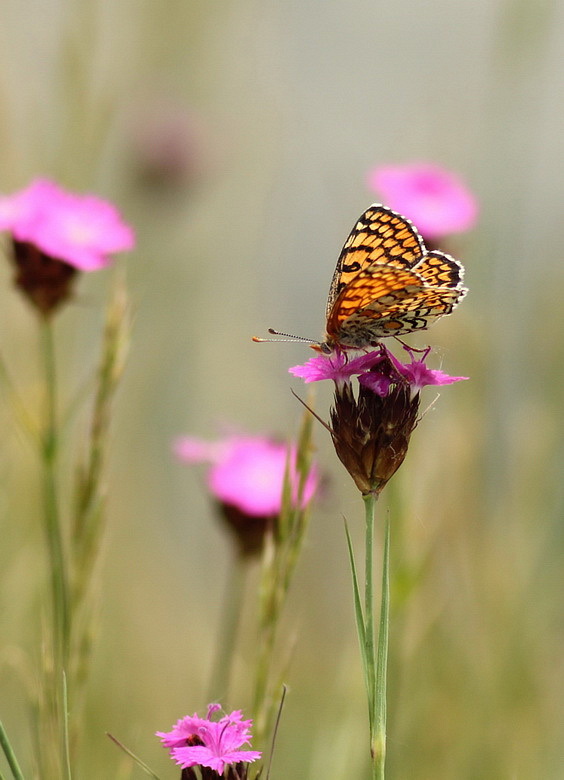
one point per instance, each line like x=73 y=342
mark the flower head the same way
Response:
x=371 y=429
x=203 y=742
x=377 y=370
x=55 y=233
x=435 y=199
x=81 y=230
x=246 y=476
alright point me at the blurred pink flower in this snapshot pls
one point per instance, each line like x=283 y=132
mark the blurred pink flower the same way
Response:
x=436 y=200
x=196 y=741
x=81 y=230
x=246 y=472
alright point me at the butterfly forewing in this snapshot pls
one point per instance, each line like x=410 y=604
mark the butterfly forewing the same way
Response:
x=381 y=236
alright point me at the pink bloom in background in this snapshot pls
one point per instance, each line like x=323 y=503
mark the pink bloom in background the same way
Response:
x=81 y=230
x=436 y=200
x=246 y=471
x=196 y=741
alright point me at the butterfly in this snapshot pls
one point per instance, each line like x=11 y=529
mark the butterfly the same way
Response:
x=387 y=283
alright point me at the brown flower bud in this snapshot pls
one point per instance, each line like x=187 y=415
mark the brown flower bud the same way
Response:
x=44 y=280
x=248 y=530
x=371 y=433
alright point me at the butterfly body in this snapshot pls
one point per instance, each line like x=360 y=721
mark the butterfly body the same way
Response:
x=387 y=283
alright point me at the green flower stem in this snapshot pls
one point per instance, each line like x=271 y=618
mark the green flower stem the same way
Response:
x=55 y=748
x=376 y=658
x=369 y=635
x=49 y=448
x=229 y=625
x=380 y=710
x=10 y=755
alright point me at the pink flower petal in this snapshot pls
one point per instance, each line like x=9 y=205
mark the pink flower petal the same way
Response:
x=336 y=366
x=221 y=740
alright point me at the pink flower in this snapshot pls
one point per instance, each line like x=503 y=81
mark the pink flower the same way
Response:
x=435 y=199
x=377 y=370
x=81 y=230
x=196 y=741
x=246 y=472
x=419 y=375
x=336 y=366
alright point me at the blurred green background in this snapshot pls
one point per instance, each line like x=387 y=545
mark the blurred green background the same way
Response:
x=236 y=138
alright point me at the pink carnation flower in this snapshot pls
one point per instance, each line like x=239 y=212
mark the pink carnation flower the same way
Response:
x=336 y=366
x=417 y=373
x=246 y=471
x=196 y=741
x=435 y=199
x=377 y=370
x=81 y=230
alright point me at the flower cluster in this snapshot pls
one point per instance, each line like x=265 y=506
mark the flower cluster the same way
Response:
x=211 y=745
x=246 y=477
x=435 y=199
x=56 y=233
x=371 y=430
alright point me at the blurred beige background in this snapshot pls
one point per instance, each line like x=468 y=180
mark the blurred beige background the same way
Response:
x=236 y=138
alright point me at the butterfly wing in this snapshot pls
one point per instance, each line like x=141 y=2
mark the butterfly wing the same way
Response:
x=380 y=237
x=387 y=301
x=369 y=296
x=440 y=270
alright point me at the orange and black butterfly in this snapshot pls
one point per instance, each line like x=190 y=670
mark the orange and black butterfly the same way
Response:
x=387 y=283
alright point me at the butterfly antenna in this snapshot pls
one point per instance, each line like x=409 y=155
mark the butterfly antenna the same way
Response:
x=287 y=337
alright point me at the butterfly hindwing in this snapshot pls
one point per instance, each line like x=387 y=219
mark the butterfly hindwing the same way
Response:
x=377 y=287
x=440 y=270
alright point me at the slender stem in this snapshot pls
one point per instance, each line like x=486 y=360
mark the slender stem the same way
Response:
x=49 y=453
x=10 y=755
x=66 y=741
x=369 y=634
x=380 y=710
x=53 y=531
x=271 y=601
x=229 y=625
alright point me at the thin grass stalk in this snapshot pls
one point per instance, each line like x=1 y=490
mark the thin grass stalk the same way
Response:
x=66 y=740
x=89 y=492
x=281 y=552
x=90 y=496
x=8 y=751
